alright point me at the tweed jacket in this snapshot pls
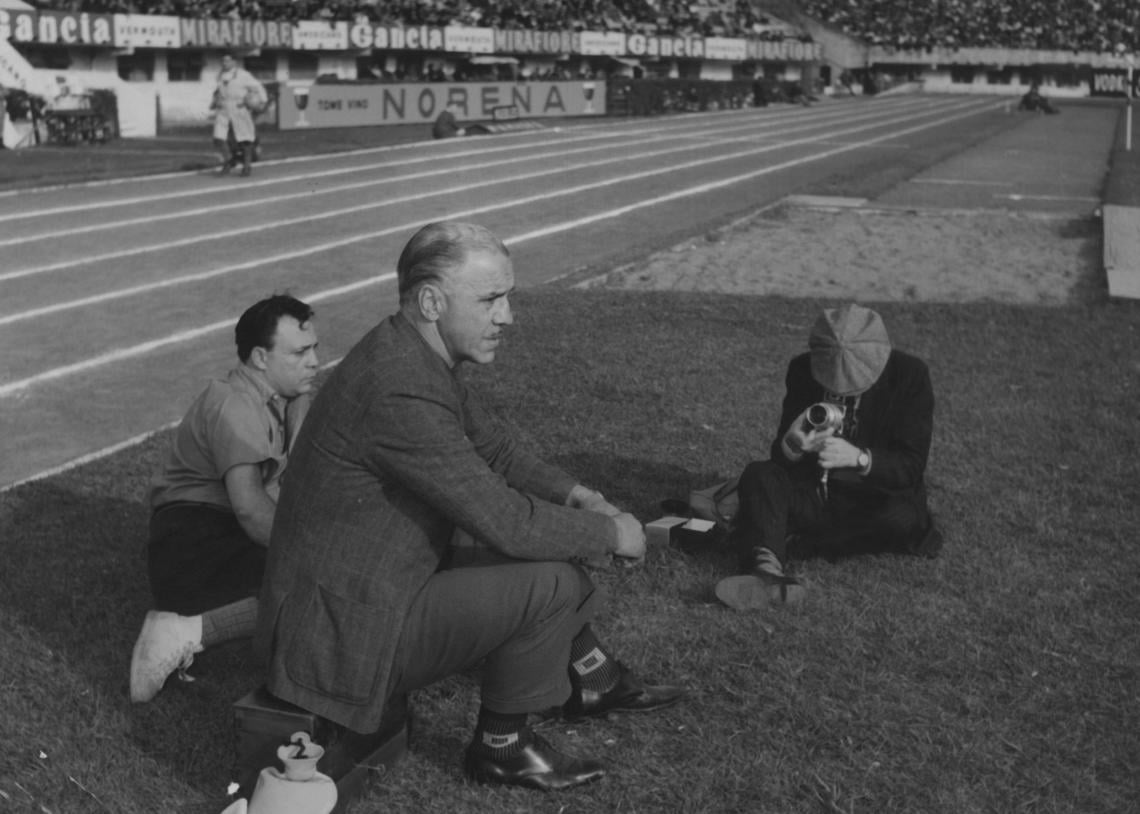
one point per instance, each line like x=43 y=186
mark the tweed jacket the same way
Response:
x=396 y=452
x=895 y=422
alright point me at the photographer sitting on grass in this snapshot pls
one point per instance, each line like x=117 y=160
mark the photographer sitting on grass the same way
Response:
x=846 y=470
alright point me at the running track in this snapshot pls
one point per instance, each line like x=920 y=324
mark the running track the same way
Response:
x=117 y=299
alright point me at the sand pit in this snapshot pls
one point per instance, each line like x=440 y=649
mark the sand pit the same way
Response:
x=873 y=254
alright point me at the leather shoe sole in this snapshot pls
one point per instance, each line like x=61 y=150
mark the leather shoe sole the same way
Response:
x=748 y=592
x=538 y=766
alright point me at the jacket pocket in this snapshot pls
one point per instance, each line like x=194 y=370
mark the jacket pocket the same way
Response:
x=330 y=650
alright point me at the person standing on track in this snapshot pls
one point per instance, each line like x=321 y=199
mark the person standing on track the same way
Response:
x=212 y=506
x=238 y=97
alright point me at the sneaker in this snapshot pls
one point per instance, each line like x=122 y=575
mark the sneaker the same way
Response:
x=166 y=643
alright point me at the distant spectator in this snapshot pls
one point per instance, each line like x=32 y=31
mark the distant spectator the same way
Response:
x=238 y=97
x=446 y=125
x=1034 y=102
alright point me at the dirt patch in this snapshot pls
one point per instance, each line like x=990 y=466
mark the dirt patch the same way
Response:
x=881 y=255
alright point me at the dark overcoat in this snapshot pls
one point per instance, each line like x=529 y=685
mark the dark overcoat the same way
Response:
x=395 y=454
x=896 y=422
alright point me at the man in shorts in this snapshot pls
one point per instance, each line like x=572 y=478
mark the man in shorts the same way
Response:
x=212 y=506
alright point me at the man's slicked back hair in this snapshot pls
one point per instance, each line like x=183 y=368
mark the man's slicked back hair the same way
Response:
x=257 y=327
x=437 y=248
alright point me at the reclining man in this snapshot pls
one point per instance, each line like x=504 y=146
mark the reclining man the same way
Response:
x=847 y=465
x=397 y=455
x=212 y=506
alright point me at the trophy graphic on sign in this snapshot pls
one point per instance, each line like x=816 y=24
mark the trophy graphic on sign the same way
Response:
x=301 y=100
x=588 y=90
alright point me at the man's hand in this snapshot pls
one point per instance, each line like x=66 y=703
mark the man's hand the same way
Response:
x=582 y=498
x=631 y=537
x=838 y=453
x=797 y=442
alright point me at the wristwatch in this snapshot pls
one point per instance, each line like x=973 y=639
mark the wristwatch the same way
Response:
x=864 y=459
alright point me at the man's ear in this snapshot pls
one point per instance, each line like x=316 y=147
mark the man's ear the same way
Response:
x=257 y=357
x=430 y=300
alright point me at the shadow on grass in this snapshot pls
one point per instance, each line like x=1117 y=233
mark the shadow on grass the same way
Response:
x=80 y=592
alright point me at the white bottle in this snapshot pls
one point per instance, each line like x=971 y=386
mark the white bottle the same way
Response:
x=300 y=789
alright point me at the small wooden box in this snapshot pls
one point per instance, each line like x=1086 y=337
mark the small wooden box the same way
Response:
x=262 y=723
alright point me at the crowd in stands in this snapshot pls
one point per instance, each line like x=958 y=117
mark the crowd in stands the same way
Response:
x=726 y=18
x=1076 y=25
x=1045 y=25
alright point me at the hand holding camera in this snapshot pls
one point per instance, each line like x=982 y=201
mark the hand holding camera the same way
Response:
x=811 y=429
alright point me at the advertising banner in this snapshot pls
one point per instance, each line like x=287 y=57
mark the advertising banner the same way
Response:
x=598 y=43
x=304 y=105
x=642 y=45
x=514 y=41
x=469 y=40
x=317 y=35
x=235 y=34
x=784 y=51
x=725 y=48
x=364 y=34
x=147 y=31
x=1113 y=83
x=17 y=72
x=17 y=25
x=57 y=27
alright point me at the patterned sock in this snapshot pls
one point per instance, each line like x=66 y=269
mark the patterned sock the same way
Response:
x=238 y=620
x=499 y=736
x=595 y=669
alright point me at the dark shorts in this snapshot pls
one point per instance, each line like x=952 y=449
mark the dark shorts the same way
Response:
x=199 y=558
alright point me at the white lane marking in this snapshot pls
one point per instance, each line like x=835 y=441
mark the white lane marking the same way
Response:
x=1016 y=196
x=215 y=208
x=960 y=182
x=590 y=134
x=299 y=159
x=90 y=457
x=143 y=288
x=165 y=176
x=711 y=185
x=212 y=236
x=137 y=350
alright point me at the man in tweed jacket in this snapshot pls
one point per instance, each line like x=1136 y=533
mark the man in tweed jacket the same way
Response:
x=396 y=455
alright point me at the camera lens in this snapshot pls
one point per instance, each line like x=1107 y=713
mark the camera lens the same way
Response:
x=817 y=415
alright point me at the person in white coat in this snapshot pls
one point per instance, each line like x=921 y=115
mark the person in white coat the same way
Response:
x=237 y=98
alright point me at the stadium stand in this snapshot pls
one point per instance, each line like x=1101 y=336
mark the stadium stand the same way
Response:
x=1079 y=25
x=709 y=17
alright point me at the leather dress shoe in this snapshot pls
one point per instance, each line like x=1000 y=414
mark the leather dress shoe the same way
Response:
x=538 y=766
x=630 y=694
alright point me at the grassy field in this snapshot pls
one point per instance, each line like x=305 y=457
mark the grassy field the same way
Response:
x=1002 y=677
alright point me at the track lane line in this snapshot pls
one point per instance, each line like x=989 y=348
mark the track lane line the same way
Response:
x=299 y=159
x=214 y=208
x=184 y=279
x=210 y=236
x=589 y=135
x=11 y=388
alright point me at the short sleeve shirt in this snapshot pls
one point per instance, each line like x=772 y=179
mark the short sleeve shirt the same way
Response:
x=236 y=420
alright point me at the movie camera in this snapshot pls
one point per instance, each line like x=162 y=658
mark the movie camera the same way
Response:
x=823 y=416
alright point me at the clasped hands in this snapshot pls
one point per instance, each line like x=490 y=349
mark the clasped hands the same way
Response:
x=631 y=534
